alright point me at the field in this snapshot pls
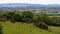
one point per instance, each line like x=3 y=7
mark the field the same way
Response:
x=54 y=16
x=24 y=28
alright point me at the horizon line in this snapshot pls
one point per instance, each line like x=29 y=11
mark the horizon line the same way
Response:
x=22 y=3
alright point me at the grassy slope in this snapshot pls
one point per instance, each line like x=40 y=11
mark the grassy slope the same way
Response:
x=54 y=16
x=10 y=28
x=55 y=29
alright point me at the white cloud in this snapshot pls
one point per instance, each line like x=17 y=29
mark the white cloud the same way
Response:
x=32 y=1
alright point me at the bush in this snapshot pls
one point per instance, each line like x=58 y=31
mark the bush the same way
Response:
x=56 y=21
x=41 y=25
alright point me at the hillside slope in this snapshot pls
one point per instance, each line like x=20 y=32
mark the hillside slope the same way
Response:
x=22 y=28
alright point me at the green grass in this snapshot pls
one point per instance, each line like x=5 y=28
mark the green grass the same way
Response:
x=54 y=16
x=23 y=28
x=55 y=29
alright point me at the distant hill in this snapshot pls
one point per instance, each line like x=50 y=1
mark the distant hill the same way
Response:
x=28 y=5
x=18 y=6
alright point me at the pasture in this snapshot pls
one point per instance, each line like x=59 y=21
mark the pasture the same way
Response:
x=24 y=28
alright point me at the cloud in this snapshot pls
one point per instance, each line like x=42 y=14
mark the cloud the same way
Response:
x=32 y=1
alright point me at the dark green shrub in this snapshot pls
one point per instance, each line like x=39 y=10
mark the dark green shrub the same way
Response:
x=41 y=25
x=56 y=21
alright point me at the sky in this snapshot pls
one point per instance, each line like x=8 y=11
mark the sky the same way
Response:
x=31 y=1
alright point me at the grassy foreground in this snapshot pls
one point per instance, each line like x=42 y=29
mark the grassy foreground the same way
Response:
x=23 y=28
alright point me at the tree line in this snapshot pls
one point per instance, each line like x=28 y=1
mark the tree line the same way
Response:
x=41 y=21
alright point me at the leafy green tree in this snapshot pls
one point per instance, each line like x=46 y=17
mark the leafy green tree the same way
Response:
x=47 y=20
x=56 y=21
x=8 y=15
x=17 y=17
x=27 y=16
x=39 y=22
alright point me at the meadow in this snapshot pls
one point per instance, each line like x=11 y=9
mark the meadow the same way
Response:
x=24 y=28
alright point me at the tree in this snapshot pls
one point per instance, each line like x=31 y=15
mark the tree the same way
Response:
x=9 y=15
x=39 y=22
x=27 y=16
x=56 y=21
x=47 y=20
x=17 y=17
